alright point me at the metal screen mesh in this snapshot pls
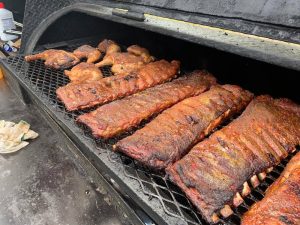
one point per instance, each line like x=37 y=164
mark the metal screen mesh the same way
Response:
x=44 y=81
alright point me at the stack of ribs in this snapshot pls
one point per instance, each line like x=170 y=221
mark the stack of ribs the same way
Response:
x=121 y=115
x=216 y=171
x=171 y=134
x=281 y=204
x=87 y=94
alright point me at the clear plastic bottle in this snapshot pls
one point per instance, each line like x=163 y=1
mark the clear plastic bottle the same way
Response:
x=6 y=23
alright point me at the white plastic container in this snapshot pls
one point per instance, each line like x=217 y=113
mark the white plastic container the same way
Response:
x=6 y=23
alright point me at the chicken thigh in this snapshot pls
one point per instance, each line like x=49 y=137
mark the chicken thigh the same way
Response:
x=86 y=51
x=57 y=59
x=84 y=72
x=124 y=62
x=108 y=46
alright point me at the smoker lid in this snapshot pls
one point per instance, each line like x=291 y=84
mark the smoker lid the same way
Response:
x=280 y=12
x=265 y=30
x=279 y=20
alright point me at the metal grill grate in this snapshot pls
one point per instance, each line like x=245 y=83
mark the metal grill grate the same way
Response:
x=43 y=82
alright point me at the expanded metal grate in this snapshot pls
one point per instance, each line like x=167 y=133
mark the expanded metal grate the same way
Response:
x=44 y=82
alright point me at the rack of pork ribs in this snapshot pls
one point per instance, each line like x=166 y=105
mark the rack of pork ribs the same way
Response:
x=215 y=172
x=281 y=204
x=87 y=94
x=129 y=112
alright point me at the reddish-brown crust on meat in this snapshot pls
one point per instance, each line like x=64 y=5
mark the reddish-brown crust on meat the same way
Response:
x=120 y=115
x=216 y=169
x=281 y=204
x=87 y=94
x=169 y=136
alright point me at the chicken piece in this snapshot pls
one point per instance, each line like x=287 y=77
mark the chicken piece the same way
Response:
x=113 y=48
x=57 y=59
x=129 y=64
x=135 y=54
x=121 y=62
x=86 y=51
x=140 y=51
x=108 y=46
x=125 y=62
x=84 y=72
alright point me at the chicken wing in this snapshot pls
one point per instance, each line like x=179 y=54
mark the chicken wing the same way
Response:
x=86 y=51
x=57 y=59
x=84 y=72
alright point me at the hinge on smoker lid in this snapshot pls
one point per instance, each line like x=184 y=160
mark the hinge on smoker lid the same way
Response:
x=129 y=14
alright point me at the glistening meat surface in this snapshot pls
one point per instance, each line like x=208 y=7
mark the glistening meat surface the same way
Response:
x=120 y=115
x=281 y=204
x=215 y=169
x=86 y=94
x=171 y=134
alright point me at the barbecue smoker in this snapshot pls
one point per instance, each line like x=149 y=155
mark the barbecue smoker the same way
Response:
x=255 y=45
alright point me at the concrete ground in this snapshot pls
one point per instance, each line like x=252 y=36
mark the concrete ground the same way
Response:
x=44 y=183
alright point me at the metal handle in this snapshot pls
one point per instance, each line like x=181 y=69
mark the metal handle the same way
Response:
x=129 y=14
x=15 y=32
x=18 y=24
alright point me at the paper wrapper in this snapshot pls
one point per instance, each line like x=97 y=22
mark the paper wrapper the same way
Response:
x=13 y=136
